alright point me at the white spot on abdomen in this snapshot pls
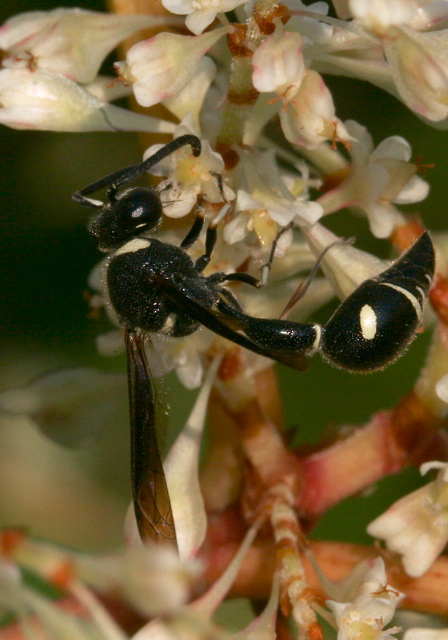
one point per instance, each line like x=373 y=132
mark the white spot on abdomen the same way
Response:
x=367 y=320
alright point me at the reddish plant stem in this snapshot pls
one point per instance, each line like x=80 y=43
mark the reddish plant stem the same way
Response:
x=390 y=441
x=439 y=297
x=425 y=594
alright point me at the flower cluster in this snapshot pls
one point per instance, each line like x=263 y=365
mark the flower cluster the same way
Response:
x=370 y=602
x=275 y=161
x=417 y=525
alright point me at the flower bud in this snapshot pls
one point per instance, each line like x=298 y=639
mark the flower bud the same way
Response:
x=278 y=63
x=200 y=14
x=162 y=66
x=419 y=66
x=44 y=100
x=309 y=118
x=72 y=42
x=377 y=179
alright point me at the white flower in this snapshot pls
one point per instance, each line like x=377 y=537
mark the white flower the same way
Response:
x=251 y=215
x=162 y=66
x=72 y=42
x=385 y=19
x=188 y=176
x=278 y=63
x=307 y=113
x=185 y=355
x=70 y=406
x=416 y=48
x=270 y=201
x=366 y=602
x=191 y=98
x=44 y=100
x=365 y=621
x=363 y=602
x=200 y=13
x=417 y=525
x=182 y=474
x=193 y=621
x=419 y=67
x=407 y=53
x=264 y=215
x=377 y=178
x=311 y=29
x=309 y=119
x=345 y=266
x=379 y=15
x=367 y=581
x=154 y=579
x=49 y=618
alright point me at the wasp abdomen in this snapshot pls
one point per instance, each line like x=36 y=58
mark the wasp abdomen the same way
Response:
x=378 y=321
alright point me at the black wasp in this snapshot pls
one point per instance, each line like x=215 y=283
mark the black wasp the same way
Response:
x=155 y=287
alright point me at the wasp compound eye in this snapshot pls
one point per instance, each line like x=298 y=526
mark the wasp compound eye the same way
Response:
x=137 y=210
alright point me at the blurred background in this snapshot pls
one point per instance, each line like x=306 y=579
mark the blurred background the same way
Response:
x=79 y=497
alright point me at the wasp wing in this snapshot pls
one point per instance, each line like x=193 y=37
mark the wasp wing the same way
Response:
x=150 y=492
x=227 y=325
